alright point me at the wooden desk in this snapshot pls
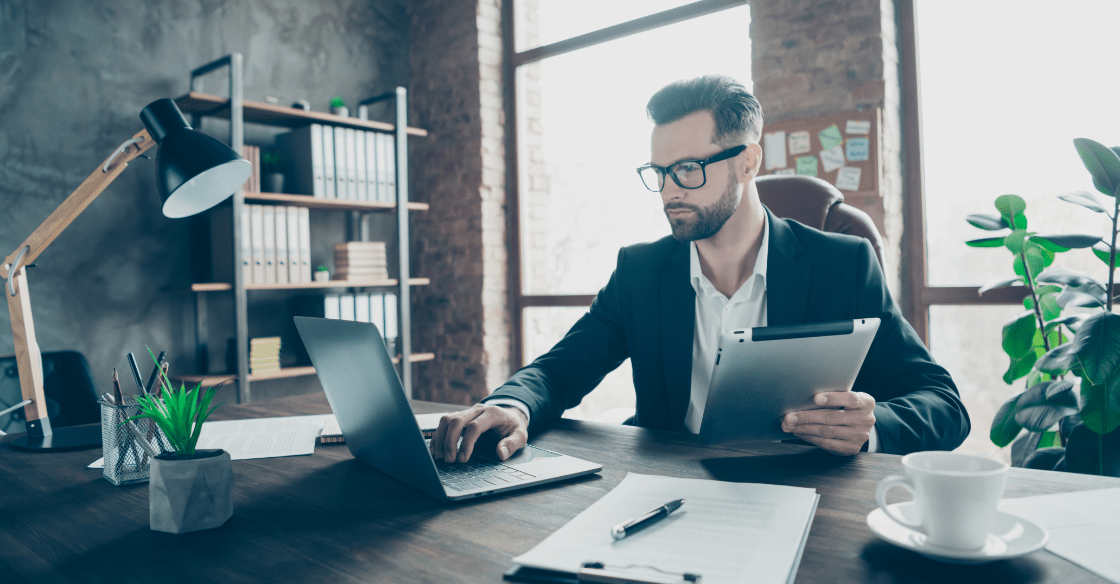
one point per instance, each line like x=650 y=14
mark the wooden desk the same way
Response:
x=330 y=518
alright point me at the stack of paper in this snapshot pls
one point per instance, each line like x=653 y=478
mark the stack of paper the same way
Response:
x=264 y=355
x=360 y=260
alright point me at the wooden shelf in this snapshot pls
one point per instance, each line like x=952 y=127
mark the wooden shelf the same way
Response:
x=285 y=373
x=205 y=104
x=337 y=204
x=225 y=286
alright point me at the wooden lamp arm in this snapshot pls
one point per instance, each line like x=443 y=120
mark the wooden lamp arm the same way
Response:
x=73 y=206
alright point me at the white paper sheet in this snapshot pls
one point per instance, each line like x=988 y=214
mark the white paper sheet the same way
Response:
x=858 y=127
x=832 y=158
x=774 y=150
x=1084 y=526
x=847 y=179
x=726 y=532
x=799 y=142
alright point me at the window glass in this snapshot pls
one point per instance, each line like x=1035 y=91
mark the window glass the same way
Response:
x=583 y=132
x=1006 y=87
x=543 y=22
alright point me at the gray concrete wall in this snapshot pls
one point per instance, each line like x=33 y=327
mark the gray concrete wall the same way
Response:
x=74 y=75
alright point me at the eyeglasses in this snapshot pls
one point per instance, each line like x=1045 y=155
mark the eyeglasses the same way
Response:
x=688 y=174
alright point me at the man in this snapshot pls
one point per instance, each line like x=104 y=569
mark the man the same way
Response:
x=728 y=264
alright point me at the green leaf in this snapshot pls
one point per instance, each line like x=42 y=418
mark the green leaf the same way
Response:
x=1020 y=367
x=1011 y=208
x=985 y=242
x=1001 y=283
x=1004 y=426
x=1048 y=440
x=1018 y=335
x=1048 y=455
x=1103 y=251
x=1090 y=453
x=1048 y=304
x=1034 y=260
x=1101 y=162
x=1028 y=302
x=1071 y=322
x=1097 y=350
x=1024 y=447
x=1075 y=297
x=1014 y=241
x=1087 y=200
x=1058 y=360
x=987 y=222
x=1066 y=242
x=1045 y=404
x=1100 y=409
x=1066 y=277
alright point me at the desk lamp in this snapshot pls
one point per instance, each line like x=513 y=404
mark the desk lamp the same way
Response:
x=194 y=173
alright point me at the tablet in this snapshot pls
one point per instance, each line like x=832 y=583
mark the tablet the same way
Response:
x=762 y=374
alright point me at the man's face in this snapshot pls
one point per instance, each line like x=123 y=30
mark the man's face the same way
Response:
x=695 y=214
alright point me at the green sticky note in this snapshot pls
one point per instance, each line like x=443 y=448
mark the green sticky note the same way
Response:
x=830 y=137
x=807 y=165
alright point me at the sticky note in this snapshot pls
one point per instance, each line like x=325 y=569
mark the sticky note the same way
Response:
x=798 y=142
x=774 y=150
x=785 y=171
x=830 y=137
x=807 y=165
x=832 y=158
x=857 y=127
x=858 y=149
x=848 y=178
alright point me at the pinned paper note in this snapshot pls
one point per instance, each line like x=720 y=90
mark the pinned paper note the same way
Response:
x=857 y=127
x=774 y=150
x=807 y=165
x=830 y=137
x=798 y=142
x=848 y=178
x=785 y=171
x=832 y=158
x=858 y=149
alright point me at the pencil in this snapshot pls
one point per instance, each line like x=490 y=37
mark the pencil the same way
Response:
x=117 y=389
x=136 y=374
x=155 y=372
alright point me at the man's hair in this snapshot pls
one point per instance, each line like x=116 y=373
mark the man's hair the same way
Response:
x=737 y=113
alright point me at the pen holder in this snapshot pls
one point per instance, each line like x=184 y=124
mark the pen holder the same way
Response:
x=126 y=461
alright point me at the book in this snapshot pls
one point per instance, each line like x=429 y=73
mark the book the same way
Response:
x=302 y=152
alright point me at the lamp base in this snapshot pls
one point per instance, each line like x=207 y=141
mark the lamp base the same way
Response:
x=68 y=438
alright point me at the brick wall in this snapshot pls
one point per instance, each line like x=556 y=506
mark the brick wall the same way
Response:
x=456 y=94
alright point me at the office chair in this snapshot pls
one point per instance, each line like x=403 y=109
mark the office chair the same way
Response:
x=67 y=384
x=805 y=199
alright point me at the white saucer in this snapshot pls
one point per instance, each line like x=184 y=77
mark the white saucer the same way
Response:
x=1011 y=537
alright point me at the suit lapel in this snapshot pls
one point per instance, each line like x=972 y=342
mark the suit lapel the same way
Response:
x=678 y=318
x=787 y=277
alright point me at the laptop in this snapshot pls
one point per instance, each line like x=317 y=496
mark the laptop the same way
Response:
x=368 y=400
x=764 y=373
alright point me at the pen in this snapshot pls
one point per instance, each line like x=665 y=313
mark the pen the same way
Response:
x=136 y=374
x=645 y=519
x=155 y=372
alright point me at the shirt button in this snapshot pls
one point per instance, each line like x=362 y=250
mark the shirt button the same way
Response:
x=728 y=307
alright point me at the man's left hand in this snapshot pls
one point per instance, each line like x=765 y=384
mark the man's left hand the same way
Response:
x=839 y=431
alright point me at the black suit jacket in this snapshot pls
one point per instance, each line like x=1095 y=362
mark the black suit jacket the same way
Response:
x=647 y=312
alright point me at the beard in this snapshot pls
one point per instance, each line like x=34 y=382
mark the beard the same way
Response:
x=706 y=221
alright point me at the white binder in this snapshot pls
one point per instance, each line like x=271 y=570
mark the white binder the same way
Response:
x=331 y=306
x=377 y=310
x=295 y=265
x=341 y=174
x=246 y=244
x=346 y=307
x=371 y=166
x=269 y=220
x=256 y=228
x=328 y=162
x=360 y=156
x=305 y=244
x=391 y=323
x=391 y=167
x=281 y=233
x=351 y=164
x=361 y=307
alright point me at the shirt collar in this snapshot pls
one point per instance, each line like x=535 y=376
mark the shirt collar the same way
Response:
x=700 y=282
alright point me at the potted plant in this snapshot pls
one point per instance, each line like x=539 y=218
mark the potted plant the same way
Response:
x=189 y=489
x=1071 y=407
x=338 y=107
x=272 y=169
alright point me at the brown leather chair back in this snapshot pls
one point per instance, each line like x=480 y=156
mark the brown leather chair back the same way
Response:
x=814 y=202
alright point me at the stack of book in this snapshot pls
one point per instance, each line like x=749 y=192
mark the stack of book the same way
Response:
x=264 y=355
x=340 y=163
x=253 y=155
x=360 y=260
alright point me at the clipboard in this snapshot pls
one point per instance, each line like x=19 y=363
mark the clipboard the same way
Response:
x=593 y=572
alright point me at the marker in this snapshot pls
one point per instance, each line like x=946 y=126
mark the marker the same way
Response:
x=645 y=519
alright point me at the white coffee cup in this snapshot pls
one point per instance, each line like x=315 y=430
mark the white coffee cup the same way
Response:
x=955 y=495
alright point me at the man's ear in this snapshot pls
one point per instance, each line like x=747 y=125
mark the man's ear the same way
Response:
x=752 y=162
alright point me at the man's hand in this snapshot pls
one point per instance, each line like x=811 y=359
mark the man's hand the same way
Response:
x=839 y=431
x=510 y=424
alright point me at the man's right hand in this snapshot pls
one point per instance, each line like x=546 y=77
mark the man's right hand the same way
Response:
x=510 y=424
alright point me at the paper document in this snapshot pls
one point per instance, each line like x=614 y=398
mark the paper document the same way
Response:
x=1084 y=526
x=725 y=532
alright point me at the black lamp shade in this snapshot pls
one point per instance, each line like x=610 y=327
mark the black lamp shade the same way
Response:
x=195 y=171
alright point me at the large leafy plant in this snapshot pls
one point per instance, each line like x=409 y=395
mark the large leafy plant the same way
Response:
x=179 y=413
x=1071 y=407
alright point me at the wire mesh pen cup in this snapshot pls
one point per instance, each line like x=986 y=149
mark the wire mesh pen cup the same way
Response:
x=126 y=461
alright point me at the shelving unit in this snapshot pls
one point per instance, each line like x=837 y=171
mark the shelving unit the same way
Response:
x=200 y=105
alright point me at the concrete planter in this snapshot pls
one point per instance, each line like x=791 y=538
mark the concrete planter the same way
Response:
x=191 y=494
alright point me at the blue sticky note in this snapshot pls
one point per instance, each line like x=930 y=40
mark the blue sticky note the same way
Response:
x=858 y=149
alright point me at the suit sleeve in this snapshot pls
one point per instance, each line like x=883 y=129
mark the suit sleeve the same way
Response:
x=918 y=406
x=559 y=379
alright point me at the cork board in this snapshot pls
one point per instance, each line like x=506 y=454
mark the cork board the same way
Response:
x=843 y=149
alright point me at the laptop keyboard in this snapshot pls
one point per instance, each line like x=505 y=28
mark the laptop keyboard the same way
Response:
x=479 y=474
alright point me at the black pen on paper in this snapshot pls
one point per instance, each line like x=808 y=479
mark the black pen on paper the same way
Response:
x=645 y=519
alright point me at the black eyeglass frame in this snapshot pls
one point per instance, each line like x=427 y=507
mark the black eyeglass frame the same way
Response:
x=667 y=170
